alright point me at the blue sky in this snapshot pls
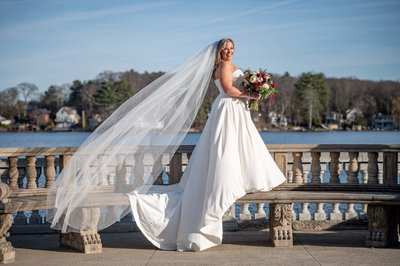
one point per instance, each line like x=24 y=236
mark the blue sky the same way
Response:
x=55 y=42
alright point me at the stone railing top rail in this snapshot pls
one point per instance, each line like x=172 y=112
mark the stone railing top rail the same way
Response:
x=43 y=151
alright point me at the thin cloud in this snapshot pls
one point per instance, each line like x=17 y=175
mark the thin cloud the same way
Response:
x=89 y=15
x=235 y=16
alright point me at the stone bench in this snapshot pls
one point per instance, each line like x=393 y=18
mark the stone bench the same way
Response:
x=371 y=179
x=383 y=212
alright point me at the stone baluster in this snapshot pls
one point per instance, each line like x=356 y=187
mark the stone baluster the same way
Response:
x=31 y=172
x=390 y=168
x=294 y=214
x=281 y=219
x=230 y=215
x=336 y=214
x=297 y=168
x=320 y=214
x=372 y=168
x=315 y=168
x=188 y=155
x=157 y=168
x=364 y=180
x=120 y=172
x=111 y=178
x=138 y=169
x=175 y=168
x=380 y=177
x=245 y=213
x=20 y=219
x=102 y=170
x=281 y=160
x=38 y=175
x=13 y=171
x=35 y=217
x=305 y=213
x=64 y=158
x=290 y=176
x=260 y=213
x=352 y=171
x=305 y=176
x=350 y=213
x=364 y=176
x=50 y=171
x=334 y=168
x=321 y=176
x=364 y=212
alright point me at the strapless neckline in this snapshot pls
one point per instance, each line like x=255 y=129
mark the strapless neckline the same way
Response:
x=232 y=74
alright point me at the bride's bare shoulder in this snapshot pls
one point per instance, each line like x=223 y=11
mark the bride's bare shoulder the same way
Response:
x=224 y=68
x=228 y=65
x=234 y=67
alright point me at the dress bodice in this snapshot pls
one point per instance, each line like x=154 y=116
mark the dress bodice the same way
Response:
x=237 y=79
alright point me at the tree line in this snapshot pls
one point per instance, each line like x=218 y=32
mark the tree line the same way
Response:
x=304 y=100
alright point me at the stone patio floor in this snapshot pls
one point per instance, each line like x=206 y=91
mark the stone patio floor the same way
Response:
x=344 y=247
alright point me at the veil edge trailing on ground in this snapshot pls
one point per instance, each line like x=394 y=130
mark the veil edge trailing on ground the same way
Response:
x=146 y=129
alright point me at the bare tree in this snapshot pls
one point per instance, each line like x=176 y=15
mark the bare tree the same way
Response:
x=27 y=91
x=9 y=102
x=395 y=110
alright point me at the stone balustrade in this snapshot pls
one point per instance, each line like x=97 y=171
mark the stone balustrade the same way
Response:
x=306 y=165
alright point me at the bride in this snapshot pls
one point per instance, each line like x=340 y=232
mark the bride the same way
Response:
x=229 y=160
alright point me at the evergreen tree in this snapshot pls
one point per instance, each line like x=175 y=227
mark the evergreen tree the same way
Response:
x=311 y=91
x=75 y=97
x=105 y=97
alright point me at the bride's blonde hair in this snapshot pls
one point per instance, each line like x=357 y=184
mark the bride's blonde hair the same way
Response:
x=221 y=46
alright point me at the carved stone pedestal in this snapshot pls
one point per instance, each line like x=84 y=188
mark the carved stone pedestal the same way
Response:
x=85 y=241
x=281 y=225
x=383 y=222
x=7 y=253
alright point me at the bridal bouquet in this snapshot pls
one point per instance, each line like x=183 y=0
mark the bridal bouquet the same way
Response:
x=260 y=82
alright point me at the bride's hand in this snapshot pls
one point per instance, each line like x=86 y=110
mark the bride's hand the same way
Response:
x=254 y=95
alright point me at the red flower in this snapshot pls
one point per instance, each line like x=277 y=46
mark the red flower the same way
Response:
x=273 y=85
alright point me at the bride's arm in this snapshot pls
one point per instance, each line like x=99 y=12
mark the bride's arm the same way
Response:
x=227 y=86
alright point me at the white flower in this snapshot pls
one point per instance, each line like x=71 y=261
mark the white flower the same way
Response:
x=265 y=86
x=253 y=78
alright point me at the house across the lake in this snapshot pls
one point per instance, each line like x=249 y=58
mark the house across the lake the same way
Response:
x=67 y=118
x=5 y=121
x=40 y=117
x=383 y=122
x=333 y=120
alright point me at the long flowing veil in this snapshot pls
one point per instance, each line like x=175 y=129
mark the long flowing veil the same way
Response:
x=147 y=128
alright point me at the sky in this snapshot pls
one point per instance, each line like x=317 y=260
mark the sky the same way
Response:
x=56 y=42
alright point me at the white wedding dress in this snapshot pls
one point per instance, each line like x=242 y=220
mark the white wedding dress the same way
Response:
x=229 y=160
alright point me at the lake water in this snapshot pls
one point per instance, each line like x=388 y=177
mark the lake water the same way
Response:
x=71 y=139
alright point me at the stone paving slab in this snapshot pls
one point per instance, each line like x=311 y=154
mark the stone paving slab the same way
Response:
x=239 y=248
